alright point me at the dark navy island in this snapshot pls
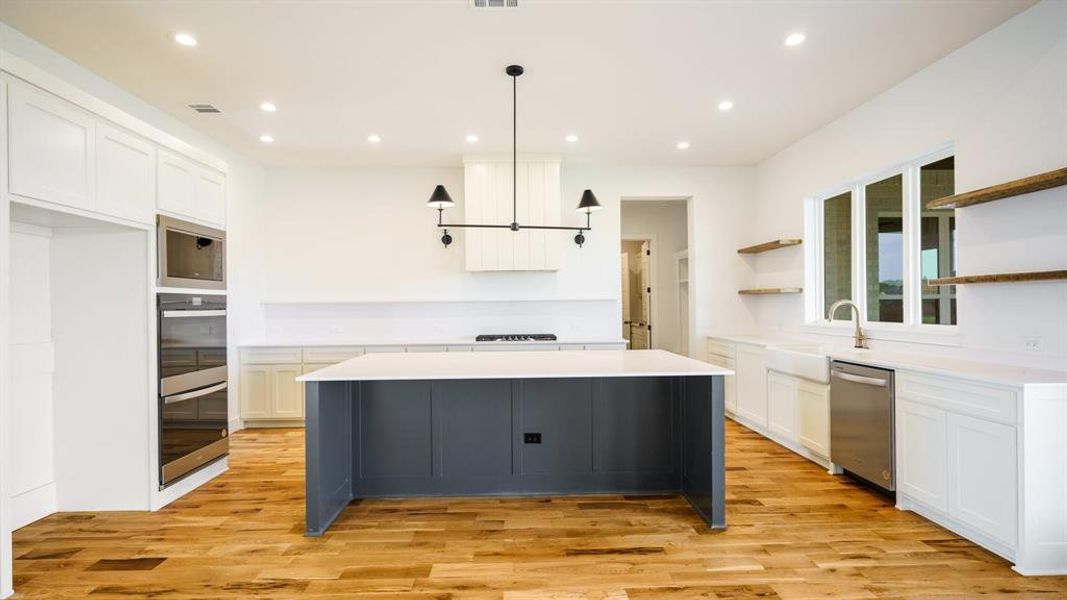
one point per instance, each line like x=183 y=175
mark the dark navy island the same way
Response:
x=514 y=423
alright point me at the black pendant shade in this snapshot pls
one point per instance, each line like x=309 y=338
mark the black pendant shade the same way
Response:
x=589 y=202
x=441 y=199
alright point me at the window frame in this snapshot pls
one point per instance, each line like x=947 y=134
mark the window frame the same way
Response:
x=912 y=329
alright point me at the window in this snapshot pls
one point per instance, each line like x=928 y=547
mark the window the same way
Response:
x=880 y=244
x=837 y=249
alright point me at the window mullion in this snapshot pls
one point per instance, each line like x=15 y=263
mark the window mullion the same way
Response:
x=859 y=250
x=911 y=222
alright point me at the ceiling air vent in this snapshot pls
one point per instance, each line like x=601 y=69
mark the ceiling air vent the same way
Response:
x=204 y=108
x=496 y=3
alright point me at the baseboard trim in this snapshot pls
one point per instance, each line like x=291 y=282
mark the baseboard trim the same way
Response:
x=273 y=423
x=33 y=505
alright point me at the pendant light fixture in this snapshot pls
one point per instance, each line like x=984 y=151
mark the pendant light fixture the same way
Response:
x=440 y=200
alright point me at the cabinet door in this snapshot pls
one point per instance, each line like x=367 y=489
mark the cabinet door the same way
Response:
x=982 y=484
x=125 y=175
x=922 y=453
x=813 y=418
x=751 y=385
x=730 y=388
x=287 y=392
x=176 y=183
x=51 y=149
x=255 y=392
x=209 y=196
x=782 y=404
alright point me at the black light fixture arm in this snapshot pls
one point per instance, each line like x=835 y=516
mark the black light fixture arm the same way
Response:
x=440 y=199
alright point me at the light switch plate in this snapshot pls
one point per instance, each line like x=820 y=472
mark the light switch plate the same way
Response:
x=1032 y=344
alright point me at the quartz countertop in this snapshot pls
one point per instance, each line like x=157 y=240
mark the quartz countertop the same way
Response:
x=515 y=365
x=446 y=342
x=982 y=369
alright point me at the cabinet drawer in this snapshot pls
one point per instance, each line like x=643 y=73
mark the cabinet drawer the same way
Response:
x=270 y=356
x=985 y=401
x=331 y=354
x=721 y=348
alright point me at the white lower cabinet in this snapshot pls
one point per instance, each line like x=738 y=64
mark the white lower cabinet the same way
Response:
x=961 y=469
x=271 y=392
x=813 y=417
x=782 y=404
x=982 y=486
x=751 y=385
x=922 y=456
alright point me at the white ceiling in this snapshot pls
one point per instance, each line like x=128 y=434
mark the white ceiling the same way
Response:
x=630 y=78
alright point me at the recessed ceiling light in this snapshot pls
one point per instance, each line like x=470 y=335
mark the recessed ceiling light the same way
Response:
x=266 y=139
x=682 y=145
x=471 y=138
x=795 y=39
x=571 y=138
x=374 y=138
x=726 y=105
x=268 y=107
x=185 y=39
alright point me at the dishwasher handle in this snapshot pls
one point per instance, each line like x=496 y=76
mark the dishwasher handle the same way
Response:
x=860 y=379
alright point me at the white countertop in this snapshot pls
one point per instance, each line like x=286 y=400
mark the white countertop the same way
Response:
x=448 y=342
x=514 y=365
x=988 y=372
x=975 y=369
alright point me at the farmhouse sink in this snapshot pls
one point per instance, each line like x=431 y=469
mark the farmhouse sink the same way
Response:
x=809 y=361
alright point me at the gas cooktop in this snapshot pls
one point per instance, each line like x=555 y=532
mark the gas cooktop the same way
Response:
x=516 y=337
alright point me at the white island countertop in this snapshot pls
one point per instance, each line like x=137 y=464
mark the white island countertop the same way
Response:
x=515 y=365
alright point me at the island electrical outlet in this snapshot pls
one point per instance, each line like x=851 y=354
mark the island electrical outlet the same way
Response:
x=531 y=438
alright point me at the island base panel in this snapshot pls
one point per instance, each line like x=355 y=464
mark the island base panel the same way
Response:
x=514 y=437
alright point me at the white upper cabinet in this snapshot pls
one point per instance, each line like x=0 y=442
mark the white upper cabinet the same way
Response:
x=125 y=175
x=209 y=196
x=488 y=199
x=187 y=189
x=67 y=156
x=52 y=149
x=176 y=183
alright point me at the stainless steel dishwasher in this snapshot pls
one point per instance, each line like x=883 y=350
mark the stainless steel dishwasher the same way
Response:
x=861 y=422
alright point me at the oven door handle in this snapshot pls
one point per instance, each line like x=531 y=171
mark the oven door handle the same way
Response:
x=218 y=387
x=169 y=314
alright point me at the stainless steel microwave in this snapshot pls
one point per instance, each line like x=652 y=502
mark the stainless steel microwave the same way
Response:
x=190 y=255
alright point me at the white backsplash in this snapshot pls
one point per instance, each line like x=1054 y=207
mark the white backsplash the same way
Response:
x=343 y=323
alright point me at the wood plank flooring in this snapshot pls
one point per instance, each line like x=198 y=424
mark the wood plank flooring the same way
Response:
x=794 y=533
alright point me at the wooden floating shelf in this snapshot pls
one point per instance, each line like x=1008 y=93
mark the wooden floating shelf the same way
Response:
x=772 y=245
x=1001 y=278
x=1018 y=187
x=769 y=291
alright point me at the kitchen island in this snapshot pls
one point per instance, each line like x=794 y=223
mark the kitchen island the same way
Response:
x=515 y=423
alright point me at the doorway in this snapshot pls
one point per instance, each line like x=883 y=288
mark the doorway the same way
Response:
x=636 y=267
x=654 y=268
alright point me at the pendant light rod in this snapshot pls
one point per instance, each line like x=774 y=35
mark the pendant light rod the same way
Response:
x=441 y=200
x=514 y=146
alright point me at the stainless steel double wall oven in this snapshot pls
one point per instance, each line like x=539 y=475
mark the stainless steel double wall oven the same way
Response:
x=193 y=419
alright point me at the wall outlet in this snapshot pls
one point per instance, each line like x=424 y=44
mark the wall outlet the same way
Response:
x=1032 y=344
x=531 y=438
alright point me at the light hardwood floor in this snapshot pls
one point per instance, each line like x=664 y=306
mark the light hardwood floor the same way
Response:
x=794 y=532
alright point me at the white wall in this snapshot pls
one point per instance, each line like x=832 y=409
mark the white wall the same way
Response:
x=354 y=255
x=668 y=227
x=1002 y=101
x=31 y=479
